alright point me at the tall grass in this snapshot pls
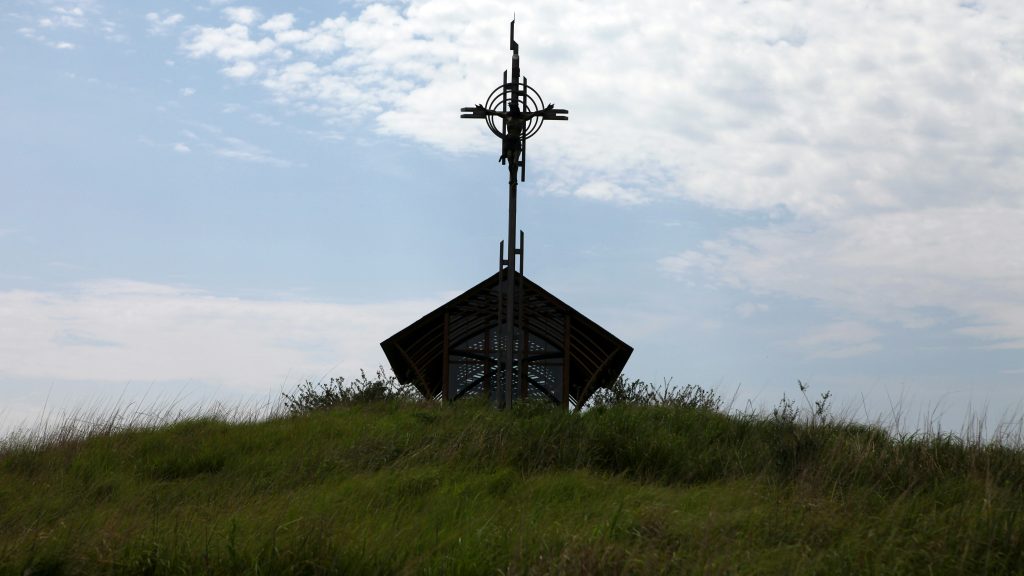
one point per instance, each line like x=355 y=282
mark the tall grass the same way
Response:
x=70 y=425
x=641 y=484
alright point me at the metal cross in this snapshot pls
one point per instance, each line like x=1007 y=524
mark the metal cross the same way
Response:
x=522 y=112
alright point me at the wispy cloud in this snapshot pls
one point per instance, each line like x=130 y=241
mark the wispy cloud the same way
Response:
x=124 y=331
x=264 y=119
x=910 y=267
x=845 y=339
x=238 y=149
x=33 y=34
x=163 y=23
x=63 y=24
x=70 y=16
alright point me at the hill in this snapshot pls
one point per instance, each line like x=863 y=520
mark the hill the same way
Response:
x=394 y=486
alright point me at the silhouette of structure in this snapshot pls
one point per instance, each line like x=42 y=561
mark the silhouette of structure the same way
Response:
x=507 y=337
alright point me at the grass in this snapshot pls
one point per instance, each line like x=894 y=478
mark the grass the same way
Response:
x=395 y=486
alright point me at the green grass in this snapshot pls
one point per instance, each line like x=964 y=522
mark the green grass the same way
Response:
x=409 y=488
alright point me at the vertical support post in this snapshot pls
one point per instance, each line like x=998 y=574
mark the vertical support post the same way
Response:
x=446 y=386
x=499 y=393
x=512 y=145
x=510 y=288
x=524 y=342
x=566 y=360
x=488 y=379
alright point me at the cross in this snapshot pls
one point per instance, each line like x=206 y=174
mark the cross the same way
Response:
x=522 y=112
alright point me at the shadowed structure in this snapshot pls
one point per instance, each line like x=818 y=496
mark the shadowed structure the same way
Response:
x=507 y=337
x=455 y=350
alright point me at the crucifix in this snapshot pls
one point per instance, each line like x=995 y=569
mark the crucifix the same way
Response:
x=521 y=112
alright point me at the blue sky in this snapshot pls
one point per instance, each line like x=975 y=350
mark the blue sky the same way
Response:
x=219 y=199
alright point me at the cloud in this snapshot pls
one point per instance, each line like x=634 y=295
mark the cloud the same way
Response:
x=238 y=149
x=231 y=43
x=844 y=123
x=846 y=339
x=609 y=192
x=124 y=331
x=242 y=15
x=182 y=148
x=823 y=110
x=187 y=92
x=912 y=268
x=162 y=24
x=32 y=34
x=279 y=23
x=71 y=16
x=243 y=69
x=264 y=119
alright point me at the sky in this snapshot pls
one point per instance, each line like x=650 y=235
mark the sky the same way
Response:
x=217 y=200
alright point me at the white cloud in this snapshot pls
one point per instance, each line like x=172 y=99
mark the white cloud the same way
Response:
x=908 y=267
x=279 y=23
x=110 y=31
x=162 y=24
x=609 y=192
x=71 y=16
x=242 y=15
x=76 y=17
x=231 y=43
x=32 y=34
x=243 y=69
x=238 y=149
x=847 y=120
x=186 y=92
x=182 y=148
x=121 y=331
x=823 y=109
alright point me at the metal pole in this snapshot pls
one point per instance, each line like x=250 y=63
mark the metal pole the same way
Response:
x=514 y=135
x=522 y=111
x=510 y=285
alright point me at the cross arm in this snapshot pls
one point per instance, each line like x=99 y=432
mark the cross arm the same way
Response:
x=552 y=113
x=479 y=111
x=549 y=113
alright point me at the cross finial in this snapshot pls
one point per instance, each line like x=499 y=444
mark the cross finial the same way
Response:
x=520 y=109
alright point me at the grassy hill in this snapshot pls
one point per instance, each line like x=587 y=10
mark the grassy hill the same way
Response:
x=395 y=486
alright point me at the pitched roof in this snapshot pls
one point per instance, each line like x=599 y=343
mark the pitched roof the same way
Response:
x=595 y=356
